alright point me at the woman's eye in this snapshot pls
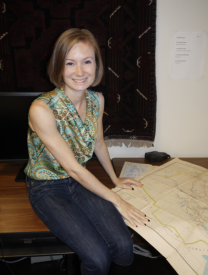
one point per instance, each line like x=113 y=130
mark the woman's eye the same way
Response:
x=87 y=62
x=69 y=63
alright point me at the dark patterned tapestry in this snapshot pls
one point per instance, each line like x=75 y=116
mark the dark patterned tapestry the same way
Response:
x=125 y=30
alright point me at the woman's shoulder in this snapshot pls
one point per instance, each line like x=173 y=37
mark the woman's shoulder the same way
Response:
x=50 y=98
x=95 y=96
x=47 y=96
x=97 y=99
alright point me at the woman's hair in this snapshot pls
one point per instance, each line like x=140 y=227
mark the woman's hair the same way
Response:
x=63 y=45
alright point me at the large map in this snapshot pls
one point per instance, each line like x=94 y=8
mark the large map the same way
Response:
x=175 y=198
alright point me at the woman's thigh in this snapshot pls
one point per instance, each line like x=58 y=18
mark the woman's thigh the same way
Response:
x=90 y=225
x=52 y=202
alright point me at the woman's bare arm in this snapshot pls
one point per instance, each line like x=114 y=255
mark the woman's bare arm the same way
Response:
x=102 y=154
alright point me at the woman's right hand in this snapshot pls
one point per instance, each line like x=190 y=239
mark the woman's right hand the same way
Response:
x=131 y=214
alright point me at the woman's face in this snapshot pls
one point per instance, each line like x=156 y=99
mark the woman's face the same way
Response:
x=79 y=68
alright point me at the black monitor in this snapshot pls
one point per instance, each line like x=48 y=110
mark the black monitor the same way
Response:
x=14 y=107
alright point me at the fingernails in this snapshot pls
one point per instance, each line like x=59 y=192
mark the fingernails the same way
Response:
x=148 y=220
x=136 y=226
x=145 y=224
x=132 y=188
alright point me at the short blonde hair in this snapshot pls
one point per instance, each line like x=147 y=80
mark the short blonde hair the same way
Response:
x=63 y=45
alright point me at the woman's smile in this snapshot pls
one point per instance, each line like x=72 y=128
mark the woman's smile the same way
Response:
x=80 y=80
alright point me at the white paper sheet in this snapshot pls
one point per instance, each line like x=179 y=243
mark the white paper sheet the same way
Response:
x=187 y=55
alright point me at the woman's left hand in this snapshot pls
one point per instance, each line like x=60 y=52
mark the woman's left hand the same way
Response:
x=126 y=183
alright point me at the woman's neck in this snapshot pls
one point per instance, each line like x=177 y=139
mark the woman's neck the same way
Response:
x=76 y=97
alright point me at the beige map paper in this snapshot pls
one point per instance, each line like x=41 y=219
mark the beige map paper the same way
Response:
x=175 y=198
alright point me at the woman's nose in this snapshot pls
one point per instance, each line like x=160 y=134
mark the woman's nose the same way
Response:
x=79 y=70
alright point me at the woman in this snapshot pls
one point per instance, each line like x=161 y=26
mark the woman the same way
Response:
x=65 y=127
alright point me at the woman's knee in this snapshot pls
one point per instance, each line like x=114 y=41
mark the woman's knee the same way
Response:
x=96 y=265
x=124 y=255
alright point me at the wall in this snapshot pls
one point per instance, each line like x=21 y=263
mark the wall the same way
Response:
x=182 y=109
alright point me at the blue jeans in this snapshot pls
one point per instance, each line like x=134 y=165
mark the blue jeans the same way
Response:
x=88 y=224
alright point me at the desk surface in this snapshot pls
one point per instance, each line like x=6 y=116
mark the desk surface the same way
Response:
x=16 y=214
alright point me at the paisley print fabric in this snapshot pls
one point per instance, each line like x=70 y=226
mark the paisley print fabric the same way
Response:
x=80 y=136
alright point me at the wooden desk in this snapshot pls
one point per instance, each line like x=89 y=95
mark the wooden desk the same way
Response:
x=19 y=223
x=16 y=214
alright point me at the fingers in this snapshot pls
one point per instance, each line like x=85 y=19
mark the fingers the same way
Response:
x=131 y=187
x=141 y=216
x=127 y=183
x=139 y=184
x=131 y=214
x=127 y=186
x=134 y=182
x=137 y=217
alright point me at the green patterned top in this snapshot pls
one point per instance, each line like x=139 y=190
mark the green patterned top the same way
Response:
x=79 y=136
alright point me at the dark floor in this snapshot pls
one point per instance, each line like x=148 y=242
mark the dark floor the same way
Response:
x=141 y=266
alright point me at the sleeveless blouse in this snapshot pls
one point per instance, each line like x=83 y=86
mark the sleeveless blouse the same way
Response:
x=80 y=136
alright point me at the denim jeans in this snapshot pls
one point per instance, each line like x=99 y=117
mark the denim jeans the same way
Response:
x=88 y=224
